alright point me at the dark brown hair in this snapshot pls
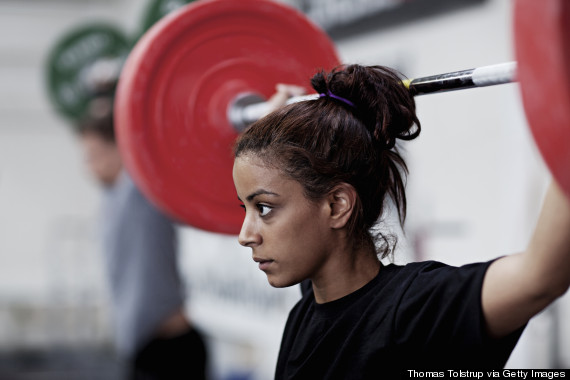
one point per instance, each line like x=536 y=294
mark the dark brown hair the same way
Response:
x=324 y=142
x=98 y=120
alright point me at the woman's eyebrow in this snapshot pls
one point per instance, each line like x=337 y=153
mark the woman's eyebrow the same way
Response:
x=250 y=197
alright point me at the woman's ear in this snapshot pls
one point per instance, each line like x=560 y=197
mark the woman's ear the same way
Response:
x=342 y=201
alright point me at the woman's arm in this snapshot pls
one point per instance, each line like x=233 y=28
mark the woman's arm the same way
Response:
x=519 y=286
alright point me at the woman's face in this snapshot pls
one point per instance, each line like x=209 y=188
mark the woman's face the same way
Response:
x=288 y=234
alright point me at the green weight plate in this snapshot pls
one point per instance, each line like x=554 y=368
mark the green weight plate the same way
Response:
x=70 y=59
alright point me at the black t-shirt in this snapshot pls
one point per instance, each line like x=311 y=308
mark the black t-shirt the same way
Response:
x=419 y=316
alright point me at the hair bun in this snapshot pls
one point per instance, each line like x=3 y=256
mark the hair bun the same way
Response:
x=383 y=104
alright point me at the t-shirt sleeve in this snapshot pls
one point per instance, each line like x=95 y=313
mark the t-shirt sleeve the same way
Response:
x=439 y=319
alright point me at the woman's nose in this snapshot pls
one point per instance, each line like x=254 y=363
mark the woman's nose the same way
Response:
x=248 y=235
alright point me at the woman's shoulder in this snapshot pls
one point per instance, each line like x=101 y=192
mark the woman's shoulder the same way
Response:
x=432 y=267
x=413 y=268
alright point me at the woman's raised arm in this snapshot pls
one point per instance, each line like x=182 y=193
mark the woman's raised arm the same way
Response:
x=519 y=286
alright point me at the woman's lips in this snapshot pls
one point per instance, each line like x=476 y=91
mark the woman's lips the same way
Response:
x=264 y=264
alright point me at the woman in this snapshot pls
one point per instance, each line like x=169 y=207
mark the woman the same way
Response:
x=314 y=178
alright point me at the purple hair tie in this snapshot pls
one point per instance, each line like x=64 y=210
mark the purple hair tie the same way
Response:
x=331 y=95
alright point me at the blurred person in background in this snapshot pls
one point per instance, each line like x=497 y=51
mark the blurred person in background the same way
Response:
x=152 y=332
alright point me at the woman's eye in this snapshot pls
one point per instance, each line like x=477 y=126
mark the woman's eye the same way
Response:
x=264 y=210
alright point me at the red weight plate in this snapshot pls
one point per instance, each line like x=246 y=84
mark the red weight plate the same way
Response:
x=542 y=41
x=175 y=88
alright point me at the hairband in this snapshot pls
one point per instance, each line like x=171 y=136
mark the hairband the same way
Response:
x=331 y=95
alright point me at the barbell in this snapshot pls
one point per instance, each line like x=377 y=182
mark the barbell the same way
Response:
x=199 y=76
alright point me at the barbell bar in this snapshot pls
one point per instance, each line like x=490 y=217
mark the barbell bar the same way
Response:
x=192 y=75
x=245 y=110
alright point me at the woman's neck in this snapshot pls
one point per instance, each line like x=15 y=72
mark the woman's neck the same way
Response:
x=344 y=273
